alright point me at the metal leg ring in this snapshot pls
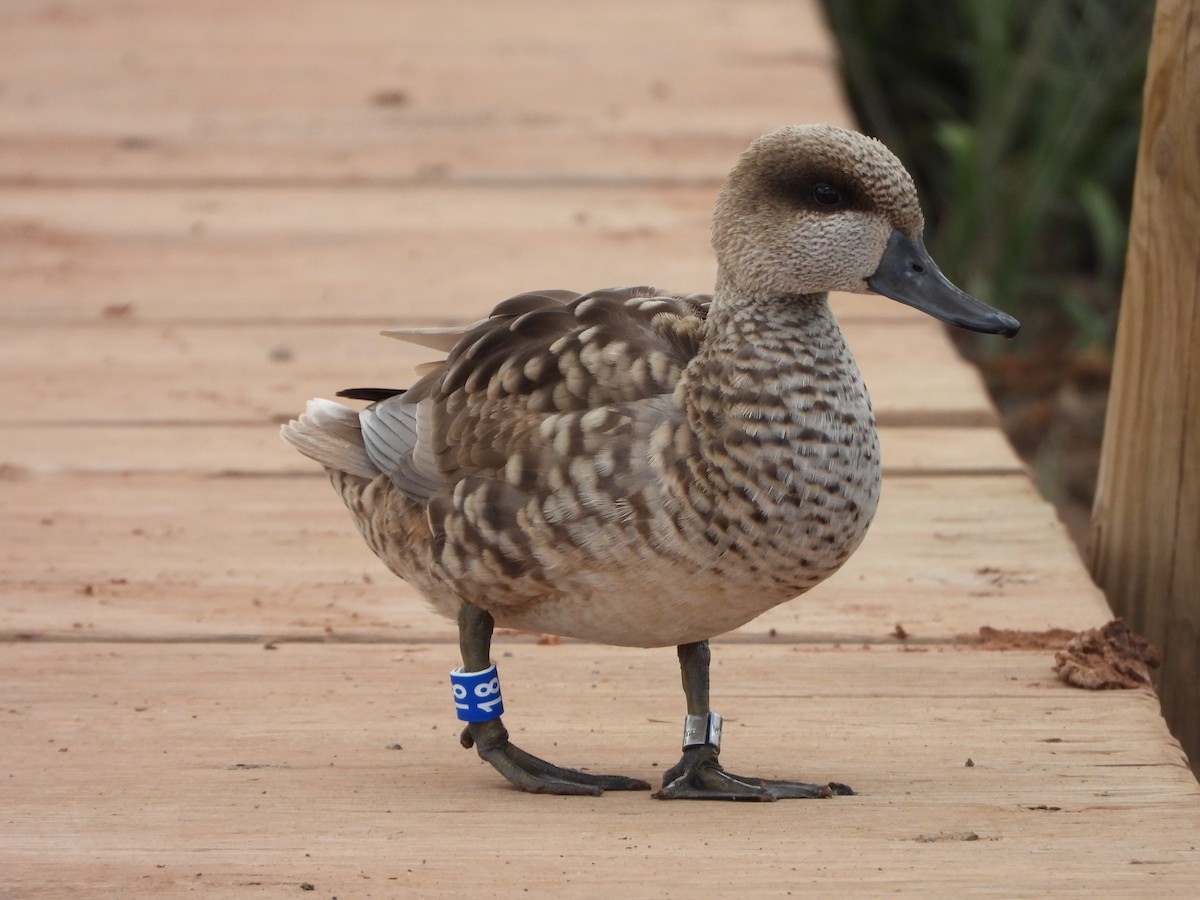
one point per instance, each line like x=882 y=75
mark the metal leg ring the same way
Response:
x=700 y=730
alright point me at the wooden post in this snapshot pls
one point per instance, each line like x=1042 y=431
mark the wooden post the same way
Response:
x=1146 y=521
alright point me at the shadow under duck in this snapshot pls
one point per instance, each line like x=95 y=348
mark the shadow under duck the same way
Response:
x=643 y=468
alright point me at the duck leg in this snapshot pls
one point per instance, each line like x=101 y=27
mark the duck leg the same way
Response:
x=490 y=738
x=698 y=775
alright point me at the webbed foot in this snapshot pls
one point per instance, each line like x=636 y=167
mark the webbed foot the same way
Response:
x=535 y=775
x=698 y=776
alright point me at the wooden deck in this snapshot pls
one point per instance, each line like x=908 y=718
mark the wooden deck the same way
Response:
x=209 y=686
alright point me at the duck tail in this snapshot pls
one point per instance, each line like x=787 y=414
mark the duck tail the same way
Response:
x=330 y=433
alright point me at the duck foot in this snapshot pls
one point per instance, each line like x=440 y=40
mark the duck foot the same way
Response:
x=698 y=776
x=535 y=775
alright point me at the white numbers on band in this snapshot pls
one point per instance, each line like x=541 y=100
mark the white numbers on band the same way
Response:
x=488 y=689
x=482 y=690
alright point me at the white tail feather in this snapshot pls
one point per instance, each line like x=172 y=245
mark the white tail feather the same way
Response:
x=329 y=433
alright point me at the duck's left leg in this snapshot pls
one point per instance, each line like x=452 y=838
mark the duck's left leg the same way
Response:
x=698 y=775
x=490 y=738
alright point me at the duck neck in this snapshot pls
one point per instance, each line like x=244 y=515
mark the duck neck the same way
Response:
x=770 y=361
x=774 y=399
x=746 y=321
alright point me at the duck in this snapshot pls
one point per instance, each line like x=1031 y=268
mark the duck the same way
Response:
x=647 y=468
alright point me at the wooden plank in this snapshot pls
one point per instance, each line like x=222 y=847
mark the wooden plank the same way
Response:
x=947 y=451
x=365 y=254
x=253 y=449
x=157 y=771
x=318 y=253
x=179 y=558
x=1146 y=522
x=169 y=89
x=141 y=372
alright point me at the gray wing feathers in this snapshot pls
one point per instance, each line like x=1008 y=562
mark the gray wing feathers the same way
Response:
x=329 y=433
x=389 y=430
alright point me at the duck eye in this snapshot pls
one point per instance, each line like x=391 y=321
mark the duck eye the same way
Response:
x=826 y=194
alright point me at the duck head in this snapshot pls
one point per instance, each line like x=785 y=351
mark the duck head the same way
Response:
x=814 y=208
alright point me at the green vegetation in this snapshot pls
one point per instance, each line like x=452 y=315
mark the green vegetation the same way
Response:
x=1019 y=121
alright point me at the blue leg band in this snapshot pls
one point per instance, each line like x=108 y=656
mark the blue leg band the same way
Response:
x=477 y=694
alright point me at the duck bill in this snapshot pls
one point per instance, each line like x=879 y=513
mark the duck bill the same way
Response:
x=907 y=273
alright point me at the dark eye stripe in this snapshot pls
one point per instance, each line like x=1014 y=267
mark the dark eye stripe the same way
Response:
x=818 y=191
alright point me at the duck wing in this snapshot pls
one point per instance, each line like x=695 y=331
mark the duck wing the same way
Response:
x=510 y=380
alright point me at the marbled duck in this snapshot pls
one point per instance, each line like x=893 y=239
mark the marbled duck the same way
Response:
x=645 y=468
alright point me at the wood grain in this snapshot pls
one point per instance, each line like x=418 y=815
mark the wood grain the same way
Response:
x=1146 y=521
x=236 y=771
x=151 y=90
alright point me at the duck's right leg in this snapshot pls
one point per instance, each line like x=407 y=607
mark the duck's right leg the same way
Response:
x=490 y=737
x=698 y=775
